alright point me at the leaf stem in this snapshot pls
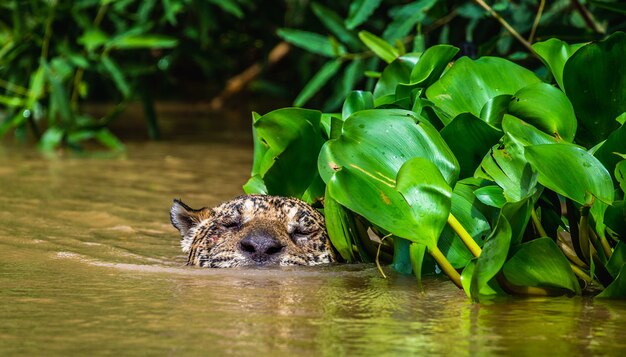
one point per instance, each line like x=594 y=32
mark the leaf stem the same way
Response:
x=465 y=237
x=537 y=223
x=588 y=17
x=445 y=265
x=506 y=25
x=542 y=4
x=380 y=269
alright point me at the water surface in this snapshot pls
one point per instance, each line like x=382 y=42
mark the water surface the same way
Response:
x=89 y=265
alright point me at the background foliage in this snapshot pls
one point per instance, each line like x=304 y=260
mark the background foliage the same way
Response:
x=55 y=55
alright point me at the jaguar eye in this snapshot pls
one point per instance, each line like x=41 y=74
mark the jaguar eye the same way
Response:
x=300 y=236
x=231 y=222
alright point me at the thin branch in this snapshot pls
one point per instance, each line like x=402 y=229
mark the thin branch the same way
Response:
x=588 y=17
x=237 y=83
x=542 y=4
x=506 y=25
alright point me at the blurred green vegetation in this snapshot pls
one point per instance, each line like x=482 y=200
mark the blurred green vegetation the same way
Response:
x=56 y=55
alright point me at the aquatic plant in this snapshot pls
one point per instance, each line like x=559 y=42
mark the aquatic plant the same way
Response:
x=511 y=183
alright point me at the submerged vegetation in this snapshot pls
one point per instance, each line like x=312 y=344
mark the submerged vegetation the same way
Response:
x=511 y=183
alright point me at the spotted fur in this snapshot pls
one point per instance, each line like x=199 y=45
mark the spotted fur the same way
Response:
x=253 y=230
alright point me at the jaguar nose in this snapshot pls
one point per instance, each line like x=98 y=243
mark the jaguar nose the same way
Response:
x=260 y=246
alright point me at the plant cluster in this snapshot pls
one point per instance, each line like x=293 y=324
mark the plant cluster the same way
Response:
x=511 y=183
x=503 y=28
x=54 y=55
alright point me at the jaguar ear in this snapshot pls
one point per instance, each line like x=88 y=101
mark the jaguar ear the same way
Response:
x=184 y=218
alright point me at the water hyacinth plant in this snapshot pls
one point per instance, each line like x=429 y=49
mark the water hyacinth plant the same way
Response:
x=511 y=183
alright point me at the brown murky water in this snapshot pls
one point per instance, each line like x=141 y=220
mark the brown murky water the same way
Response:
x=89 y=265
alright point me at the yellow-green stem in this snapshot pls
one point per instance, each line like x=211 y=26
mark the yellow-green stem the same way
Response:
x=465 y=237
x=445 y=265
x=581 y=274
x=537 y=223
x=605 y=246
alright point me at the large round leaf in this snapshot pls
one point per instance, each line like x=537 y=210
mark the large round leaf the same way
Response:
x=398 y=71
x=554 y=53
x=546 y=108
x=540 y=263
x=470 y=139
x=364 y=172
x=571 y=171
x=290 y=140
x=574 y=173
x=468 y=85
x=594 y=79
x=379 y=141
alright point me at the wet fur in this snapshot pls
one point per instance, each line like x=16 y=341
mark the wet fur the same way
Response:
x=212 y=236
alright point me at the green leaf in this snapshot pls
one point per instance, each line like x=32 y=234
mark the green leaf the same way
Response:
x=491 y=196
x=469 y=85
x=431 y=64
x=594 y=79
x=340 y=226
x=620 y=174
x=255 y=185
x=335 y=24
x=571 y=171
x=405 y=17
x=360 y=11
x=93 y=38
x=37 y=84
x=554 y=53
x=106 y=138
x=494 y=110
x=117 y=75
x=51 y=139
x=615 y=143
x=316 y=83
x=540 y=263
x=293 y=138
x=12 y=101
x=428 y=195
x=518 y=216
x=417 y=252
x=506 y=165
x=130 y=42
x=617 y=260
x=355 y=102
x=229 y=6
x=360 y=168
x=617 y=289
x=546 y=108
x=396 y=73
x=311 y=42
x=470 y=139
x=492 y=258
x=380 y=47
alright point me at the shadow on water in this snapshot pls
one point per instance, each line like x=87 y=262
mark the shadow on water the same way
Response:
x=89 y=265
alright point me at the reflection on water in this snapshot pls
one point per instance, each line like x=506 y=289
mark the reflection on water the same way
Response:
x=89 y=265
